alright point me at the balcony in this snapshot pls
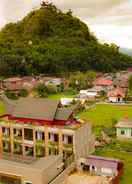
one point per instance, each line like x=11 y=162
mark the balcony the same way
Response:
x=17 y=135
x=17 y=149
x=40 y=151
x=28 y=142
x=68 y=147
x=6 y=136
x=6 y=147
x=53 y=144
x=40 y=142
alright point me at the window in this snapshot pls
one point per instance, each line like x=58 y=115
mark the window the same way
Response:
x=28 y=134
x=122 y=132
x=40 y=136
x=70 y=140
x=56 y=137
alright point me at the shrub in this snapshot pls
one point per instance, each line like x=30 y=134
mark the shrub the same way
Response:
x=41 y=90
x=51 y=89
x=23 y=93
x=11 y=95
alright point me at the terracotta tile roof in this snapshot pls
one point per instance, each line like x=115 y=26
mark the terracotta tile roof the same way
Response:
x=124 y=123
x=116 y=92
x=103 y=82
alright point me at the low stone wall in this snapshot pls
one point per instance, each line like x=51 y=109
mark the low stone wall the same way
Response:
x=62 y=176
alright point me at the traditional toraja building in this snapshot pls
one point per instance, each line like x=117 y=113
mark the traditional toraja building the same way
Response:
x=32 y=128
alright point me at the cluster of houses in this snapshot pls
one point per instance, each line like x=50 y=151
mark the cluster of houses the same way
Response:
x=15 y=84
x=41 y=138
x=115 y=86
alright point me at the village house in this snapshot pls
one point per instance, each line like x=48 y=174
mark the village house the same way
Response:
x=121 y=80
x=56 y=81
x=106 y=84
x=29 y=82
x=12 y=84
x=111 y=168
x=87 y=94
x=33 y=128
x=91 y=93
x=116 y=95
x=124 y=129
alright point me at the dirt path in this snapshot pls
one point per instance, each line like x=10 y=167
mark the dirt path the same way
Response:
x=79 y=178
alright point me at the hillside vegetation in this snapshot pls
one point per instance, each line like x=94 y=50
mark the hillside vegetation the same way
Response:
x=52 y=42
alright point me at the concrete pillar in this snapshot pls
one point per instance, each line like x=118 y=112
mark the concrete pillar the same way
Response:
x=23 y=147
x=46 y=141
x=12 y=140
x=34 y=143
x=1 y=144
x=60 y=142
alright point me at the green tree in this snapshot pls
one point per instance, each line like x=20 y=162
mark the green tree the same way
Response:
x=52 y=42
x=90 y=76
x=41 y=90
x=130 y=83
x=78 y=81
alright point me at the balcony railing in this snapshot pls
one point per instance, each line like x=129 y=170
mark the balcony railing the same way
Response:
x=18 y=138
x=68 y=147
x=40 y=142
x=53 y=144
x=5 y=136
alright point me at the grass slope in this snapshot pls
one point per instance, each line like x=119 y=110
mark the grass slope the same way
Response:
x=103 y=115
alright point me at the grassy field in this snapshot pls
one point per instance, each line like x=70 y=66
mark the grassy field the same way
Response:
x=61 y=95
x=103 y=115
x=106 y=116
x=2 y=108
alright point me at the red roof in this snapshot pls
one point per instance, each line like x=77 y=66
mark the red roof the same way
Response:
x=129 y=69
x=103 y=82
x=13 y=79
x=116 y=92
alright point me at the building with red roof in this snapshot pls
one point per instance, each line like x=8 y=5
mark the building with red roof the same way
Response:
x=104 y=83
x=116 y=95
x=35 y=121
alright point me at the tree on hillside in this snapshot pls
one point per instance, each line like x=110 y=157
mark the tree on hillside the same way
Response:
x=78 y=81
x=41 y=90
x=52 y=42
x=130 y=84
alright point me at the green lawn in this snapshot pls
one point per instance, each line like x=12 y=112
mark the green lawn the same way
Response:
x=61 y=95
x=2 y=108
x=106 y=116
x=103 y=115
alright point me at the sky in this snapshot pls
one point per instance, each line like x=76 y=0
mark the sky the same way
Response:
x=109 y=20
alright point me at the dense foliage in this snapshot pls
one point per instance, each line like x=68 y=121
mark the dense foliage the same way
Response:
x=80 y=80
x=50 y=41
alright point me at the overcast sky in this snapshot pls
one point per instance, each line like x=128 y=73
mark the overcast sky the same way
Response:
x=110 y=20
